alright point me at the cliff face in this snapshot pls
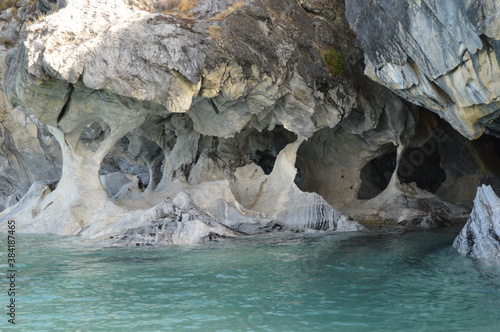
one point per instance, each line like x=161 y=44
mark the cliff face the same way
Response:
x=180 y=121
x=442 y=55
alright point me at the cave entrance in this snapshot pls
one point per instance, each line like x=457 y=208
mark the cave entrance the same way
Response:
x=376 y=175
x=487 y=148
x=422 y=165
x=265 y=146
x=134 y=163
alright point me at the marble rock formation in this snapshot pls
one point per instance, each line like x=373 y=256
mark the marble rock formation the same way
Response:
x=442 y=55
x=147 y=122
x=189 y=94
x=480 y=237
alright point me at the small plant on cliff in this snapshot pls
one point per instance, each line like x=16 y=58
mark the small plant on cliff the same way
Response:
x=334 y=61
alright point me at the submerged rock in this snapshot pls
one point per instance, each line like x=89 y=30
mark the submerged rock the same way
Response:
x=480 y=237
x=176 y=221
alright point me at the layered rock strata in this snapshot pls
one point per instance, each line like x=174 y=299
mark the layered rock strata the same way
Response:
x=480 y=237
x=442 y=55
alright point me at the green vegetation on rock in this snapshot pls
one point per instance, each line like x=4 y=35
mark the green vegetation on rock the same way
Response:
x=334 y=61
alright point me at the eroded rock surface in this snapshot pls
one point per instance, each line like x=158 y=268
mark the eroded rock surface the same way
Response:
x=162 y=123
x=480 y=237
x=188 y=93
x=443 y=55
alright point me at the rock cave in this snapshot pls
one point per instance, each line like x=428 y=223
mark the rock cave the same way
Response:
x=246 y=116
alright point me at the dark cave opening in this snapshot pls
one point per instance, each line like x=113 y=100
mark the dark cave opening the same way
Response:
x=265 y=159
x=422 y=165
x=488 y=149
x=489 y=143
x=376 y=175
x=495 y=142
x=265 y=146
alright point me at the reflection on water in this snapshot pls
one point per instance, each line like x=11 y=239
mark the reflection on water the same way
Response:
x=372 y=281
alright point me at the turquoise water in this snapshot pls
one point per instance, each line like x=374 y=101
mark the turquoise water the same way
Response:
x=372 y=281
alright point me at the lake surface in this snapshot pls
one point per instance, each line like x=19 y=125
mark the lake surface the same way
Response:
x=370 y=281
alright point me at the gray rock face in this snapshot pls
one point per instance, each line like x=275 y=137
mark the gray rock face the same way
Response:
x=48 y=6
x=28 y=153
x=175 y=221
x=443 y=55
x=326 y=8
x=480 y=237
x=185 y=92
x=220 y=118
